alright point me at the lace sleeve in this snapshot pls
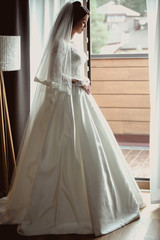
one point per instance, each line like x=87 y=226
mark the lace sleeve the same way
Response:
x=80 y=83
x=57 y=63
x=56 y=69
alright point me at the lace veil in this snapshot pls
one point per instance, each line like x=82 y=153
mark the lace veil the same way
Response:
x=55 y=67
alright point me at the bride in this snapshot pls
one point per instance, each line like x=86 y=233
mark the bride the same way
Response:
x=71 y=176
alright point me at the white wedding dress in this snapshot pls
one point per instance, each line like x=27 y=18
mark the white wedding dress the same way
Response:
x=71 y=175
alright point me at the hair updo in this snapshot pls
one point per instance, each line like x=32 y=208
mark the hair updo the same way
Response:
x=79 y=12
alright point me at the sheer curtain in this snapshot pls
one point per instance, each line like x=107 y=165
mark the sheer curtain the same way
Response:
x=42 y=14
x=153 y=9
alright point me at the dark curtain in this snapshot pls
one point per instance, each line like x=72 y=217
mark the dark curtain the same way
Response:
x=14 y=20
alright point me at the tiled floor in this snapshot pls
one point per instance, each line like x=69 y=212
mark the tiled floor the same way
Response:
x=138 y=160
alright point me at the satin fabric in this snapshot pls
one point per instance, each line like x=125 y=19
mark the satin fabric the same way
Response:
x=73 y=177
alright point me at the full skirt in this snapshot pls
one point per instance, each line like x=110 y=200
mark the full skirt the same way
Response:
x=71 y=175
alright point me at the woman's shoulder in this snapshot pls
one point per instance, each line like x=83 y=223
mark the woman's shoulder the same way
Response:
x=59 y=46
x=59 y=43
x=77 y=50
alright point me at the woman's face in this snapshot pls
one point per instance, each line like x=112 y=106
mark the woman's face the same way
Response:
x=81 y=25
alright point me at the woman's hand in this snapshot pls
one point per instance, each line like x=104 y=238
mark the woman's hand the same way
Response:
x=87 y=89
x=74 y=81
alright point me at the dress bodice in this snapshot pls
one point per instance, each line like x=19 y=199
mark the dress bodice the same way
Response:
x=57 y=73
x=78 y=59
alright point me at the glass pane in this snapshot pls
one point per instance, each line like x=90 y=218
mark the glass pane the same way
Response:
x=118 y=27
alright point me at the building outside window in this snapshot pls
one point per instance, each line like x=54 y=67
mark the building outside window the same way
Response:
x=119 y=27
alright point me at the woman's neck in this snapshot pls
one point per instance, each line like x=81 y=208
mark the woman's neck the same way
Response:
x=72 y=34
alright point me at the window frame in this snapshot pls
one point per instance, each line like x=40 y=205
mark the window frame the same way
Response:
x=87 y=42
x=119 y=56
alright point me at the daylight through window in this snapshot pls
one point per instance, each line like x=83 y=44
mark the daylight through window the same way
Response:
x=118 y=27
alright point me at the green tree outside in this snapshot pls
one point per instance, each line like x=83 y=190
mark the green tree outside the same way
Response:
x=99 y=33
x=101 y=2
x=136 y=5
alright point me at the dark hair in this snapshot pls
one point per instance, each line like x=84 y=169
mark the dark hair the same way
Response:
x=79 y=12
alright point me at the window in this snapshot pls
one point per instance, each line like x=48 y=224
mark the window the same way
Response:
x=118 y=27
